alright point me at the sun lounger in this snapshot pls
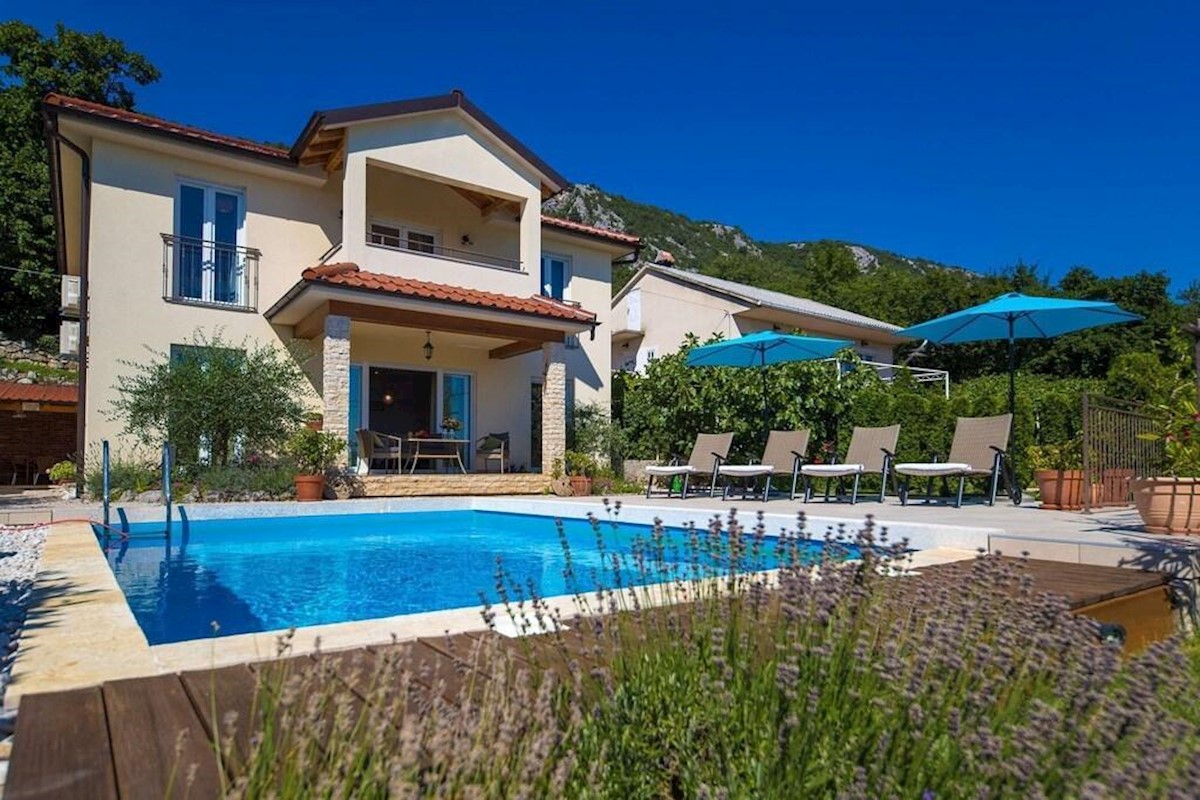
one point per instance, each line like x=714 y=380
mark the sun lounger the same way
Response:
x=783 y=455
x=871 y=451
x=707 y=454
x=979 y=449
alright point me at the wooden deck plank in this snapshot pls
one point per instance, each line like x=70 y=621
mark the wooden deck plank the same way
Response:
x=218 y=693
x=1080 y=584
x=61 y=748
x=160 y=748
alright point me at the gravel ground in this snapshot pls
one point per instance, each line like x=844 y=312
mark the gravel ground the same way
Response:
x=20 y=553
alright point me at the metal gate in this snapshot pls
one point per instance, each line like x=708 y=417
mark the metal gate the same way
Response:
x=1115 y=449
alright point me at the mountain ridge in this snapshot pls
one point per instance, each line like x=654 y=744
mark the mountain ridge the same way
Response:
x=676 y=239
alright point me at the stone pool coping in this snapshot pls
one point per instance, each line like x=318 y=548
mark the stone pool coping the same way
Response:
x=80 y=630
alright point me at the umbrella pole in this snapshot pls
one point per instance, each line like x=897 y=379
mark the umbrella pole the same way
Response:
x=766 y=406
x=1012 y=370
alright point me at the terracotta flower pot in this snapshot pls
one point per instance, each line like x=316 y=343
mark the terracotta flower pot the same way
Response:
x=1114 y=486
x=310 y=488
x=1168 y=505
x=1062 y=489
x=581 y=485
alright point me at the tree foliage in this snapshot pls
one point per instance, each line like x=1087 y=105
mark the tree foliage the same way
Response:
x=87 y=65
x=213 y=396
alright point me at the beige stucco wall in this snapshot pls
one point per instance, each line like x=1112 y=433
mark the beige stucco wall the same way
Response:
x=670 y=310
x=589 y=367
x=405 y=199
x=669 y=313
x=133 y=200
x=448 y=148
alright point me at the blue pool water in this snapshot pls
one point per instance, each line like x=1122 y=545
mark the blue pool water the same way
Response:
x=252 y=575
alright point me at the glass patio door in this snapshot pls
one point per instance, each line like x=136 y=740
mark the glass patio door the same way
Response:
x=456 y=405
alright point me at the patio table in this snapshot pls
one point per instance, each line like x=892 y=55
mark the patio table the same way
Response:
x=436 y=450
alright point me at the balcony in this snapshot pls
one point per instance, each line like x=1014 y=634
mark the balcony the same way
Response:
x=407 y=240
x=211 y=274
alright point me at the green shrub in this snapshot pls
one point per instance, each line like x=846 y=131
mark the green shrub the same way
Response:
x=127 y=473
x=314 y=452
x=62 y=471
x=47 y=343
x=213 y=396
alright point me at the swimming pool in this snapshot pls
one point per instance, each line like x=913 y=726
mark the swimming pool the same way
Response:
x=261 y=574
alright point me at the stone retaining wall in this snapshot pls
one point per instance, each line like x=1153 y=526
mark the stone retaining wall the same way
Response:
x=13 y=350
x=449 y=484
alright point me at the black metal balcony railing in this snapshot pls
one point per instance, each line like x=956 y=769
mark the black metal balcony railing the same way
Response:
x=210 y=273
x=441 y=251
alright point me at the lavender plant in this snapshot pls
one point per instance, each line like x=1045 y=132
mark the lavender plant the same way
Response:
x=723 y=661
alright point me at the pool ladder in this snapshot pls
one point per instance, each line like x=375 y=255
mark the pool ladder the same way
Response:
x=168 y=458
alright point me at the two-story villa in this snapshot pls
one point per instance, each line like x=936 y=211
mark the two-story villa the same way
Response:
x=404 y=240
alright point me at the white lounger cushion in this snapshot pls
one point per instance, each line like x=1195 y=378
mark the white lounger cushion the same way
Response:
x=682 y=469
x=832 y=470
x=747 y=470
x=933 y=470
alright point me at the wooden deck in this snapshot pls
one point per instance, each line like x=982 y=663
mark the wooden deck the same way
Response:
x=123 y=739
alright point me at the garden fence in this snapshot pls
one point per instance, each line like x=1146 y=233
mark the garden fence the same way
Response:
x=1115 y=449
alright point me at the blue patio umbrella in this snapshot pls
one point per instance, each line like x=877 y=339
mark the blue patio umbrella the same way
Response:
x=1015 y=316
x=763 y=349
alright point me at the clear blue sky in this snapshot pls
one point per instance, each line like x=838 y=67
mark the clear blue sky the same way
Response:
x=1059 y=133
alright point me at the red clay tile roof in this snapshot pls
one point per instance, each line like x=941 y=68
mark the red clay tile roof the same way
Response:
x=164 y=126
x=347 y=274
x=602 y=233
x=39 y=392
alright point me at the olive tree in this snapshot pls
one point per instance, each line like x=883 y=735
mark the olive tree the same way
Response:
x=211 y=395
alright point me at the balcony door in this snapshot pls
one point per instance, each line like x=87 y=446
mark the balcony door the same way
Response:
x=209 y=230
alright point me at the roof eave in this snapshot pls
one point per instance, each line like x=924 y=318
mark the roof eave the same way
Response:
x=55 y=111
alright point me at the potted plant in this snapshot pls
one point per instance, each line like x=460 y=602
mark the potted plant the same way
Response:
x=580 y=469
x=1058 y=470
x=451 y=426
x=62 y=472
x=314 y=452
x=1171 y=503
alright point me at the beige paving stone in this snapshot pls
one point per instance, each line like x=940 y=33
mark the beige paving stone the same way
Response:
x=1032 y=548
x=79 y=629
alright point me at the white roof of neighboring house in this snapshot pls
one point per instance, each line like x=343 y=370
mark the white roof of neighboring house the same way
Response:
x=762 y=297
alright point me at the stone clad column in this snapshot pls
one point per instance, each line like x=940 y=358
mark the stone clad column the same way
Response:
x=335 y=377
x=554 y=406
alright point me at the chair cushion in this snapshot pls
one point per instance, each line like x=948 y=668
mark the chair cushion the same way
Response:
x=746 y=470
x=491 y=443
x=682 y=469
x=934 y=470
x=832 y=470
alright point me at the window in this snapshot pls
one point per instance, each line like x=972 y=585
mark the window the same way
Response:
x=209 y=257
x=421 y=242
x=398 y=236
x=556 y=276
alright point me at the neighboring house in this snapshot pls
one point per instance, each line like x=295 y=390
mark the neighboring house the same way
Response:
x=404 y=240
x=660 y=305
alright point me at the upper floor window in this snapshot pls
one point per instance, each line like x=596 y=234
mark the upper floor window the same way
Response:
x=206 y=258
x=401 y=236
x=556 y=276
